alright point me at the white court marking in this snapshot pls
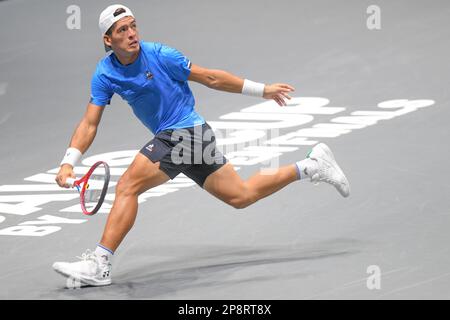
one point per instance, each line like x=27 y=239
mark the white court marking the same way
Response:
x=416 y=284
x=270 y=118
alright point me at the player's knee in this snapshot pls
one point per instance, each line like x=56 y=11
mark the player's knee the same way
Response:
x=243 y=198
x=126 y=187
x=242 y=201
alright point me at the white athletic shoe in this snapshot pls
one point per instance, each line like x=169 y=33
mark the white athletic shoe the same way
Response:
x=328 y=170
x=91 y=270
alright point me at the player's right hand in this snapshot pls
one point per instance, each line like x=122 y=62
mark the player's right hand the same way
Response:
x=65 y=171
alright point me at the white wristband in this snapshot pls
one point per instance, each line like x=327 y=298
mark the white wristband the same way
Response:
x=254 y=89
x=72 y=156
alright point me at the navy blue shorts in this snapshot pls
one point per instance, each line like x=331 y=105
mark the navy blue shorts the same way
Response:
x=191 y=151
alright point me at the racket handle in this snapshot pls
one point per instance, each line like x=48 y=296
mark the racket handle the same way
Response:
x=70 y=182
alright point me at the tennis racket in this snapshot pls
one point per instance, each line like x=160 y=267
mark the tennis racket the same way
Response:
x=92 y=187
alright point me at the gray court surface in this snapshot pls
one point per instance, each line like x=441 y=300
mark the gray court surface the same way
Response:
x=388 y=240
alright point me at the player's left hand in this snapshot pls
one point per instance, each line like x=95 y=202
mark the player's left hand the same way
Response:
x=278 y=92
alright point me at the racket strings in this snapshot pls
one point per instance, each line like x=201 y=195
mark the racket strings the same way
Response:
x=94 y=188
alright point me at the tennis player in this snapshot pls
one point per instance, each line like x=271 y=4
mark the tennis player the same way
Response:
x=153 y=79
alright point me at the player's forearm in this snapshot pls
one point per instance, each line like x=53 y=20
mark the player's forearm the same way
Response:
x=225 y=81
x=83 y=136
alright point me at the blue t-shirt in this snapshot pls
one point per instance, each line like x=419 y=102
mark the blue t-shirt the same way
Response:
x=154 y=85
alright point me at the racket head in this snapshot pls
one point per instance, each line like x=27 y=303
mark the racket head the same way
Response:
x=93 y=188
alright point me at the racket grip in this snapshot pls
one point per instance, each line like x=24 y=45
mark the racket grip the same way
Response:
x=70 y=182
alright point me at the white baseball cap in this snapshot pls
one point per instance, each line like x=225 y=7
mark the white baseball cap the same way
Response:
x=112 y=14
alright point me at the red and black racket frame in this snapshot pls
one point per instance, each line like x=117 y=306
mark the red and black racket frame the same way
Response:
x=82 y=184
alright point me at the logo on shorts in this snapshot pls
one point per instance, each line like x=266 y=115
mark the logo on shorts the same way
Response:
x=149 y=147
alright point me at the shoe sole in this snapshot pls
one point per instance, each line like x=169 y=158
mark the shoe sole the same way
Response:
x=83 y=280
x=328 y=153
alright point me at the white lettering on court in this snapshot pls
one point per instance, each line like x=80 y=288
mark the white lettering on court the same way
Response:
x=235 y=130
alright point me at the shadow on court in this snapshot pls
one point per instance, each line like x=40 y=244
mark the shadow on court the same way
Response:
x=211 y=266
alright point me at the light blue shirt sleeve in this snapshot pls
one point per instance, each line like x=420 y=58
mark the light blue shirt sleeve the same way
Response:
x=175 y=63
x=101 y=92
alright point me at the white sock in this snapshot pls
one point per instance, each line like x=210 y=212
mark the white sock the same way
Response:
x=306 y=168
x=104 y=253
